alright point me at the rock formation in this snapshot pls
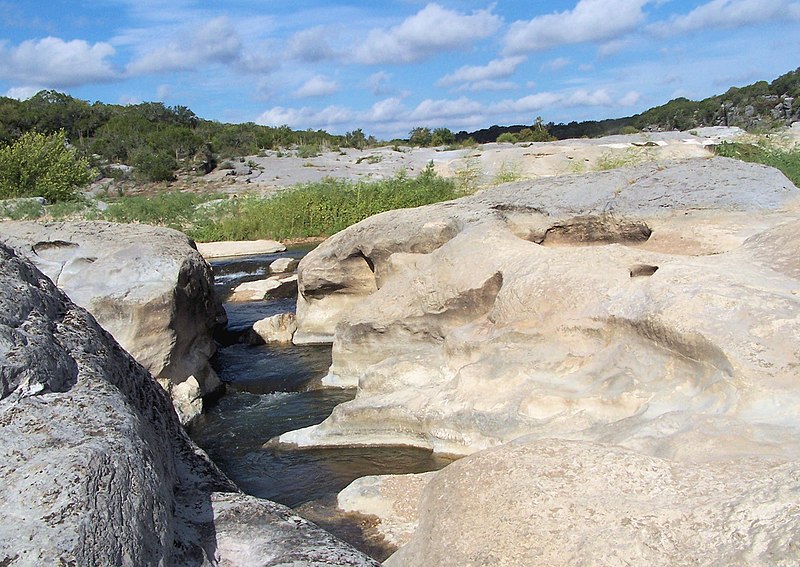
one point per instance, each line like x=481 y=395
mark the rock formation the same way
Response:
x=561 y=503
x=95 y=468
x=147 y=286
x=654 y=310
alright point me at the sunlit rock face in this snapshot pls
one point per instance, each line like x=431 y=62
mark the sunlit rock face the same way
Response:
x=147 y=286
x=580 y=306
x=601 y=346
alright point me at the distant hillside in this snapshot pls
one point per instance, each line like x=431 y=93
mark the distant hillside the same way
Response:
x=760 y=106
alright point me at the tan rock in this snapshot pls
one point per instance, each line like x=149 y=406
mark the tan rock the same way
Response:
x=283 y=265
x=394 y=499
x=555 y=502
x=276 y=329
x=238 y=248
x=274 y=287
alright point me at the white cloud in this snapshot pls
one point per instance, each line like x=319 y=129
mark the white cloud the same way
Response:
x=433 y=110
x=729 y=14
x=431 y=30
x=555 y=65
x=318 y=85
x=378 y=83
x=310 y=45
x=215 y=42
x=22 y=93
x=56 y=63
x=568 y=99
x=385 y=110
x=492 y=71
x=329 y=117
x=482 y=86
x=590 y=20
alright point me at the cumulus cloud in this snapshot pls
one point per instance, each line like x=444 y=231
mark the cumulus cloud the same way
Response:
x=471 y=75
x=214 y=42
x=310 y=46
x=56 y=63
x=329 y=117
x=590 y=20
x=318 y=85
x=431 y=30
x=729 y=14
x=22 y=93
x=378 y=83
x=580 y=97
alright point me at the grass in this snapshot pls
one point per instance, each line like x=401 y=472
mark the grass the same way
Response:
x=786 y=159
x=617 y=159
x=310 y=210
x=319 y=209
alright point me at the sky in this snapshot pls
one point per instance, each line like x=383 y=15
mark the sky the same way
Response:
x=388 y=67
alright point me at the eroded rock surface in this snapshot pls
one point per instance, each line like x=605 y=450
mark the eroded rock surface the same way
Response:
x=651 y=314
x=555 y=502
x=147 y=286
x=95 y=468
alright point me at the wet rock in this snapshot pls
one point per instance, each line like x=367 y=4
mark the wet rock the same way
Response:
x=275 y=287
x=275 y=329
x=283 y=265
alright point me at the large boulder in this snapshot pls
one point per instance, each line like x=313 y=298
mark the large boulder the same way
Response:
x=95 y=468
x=561 y=503
x=147 y=286
x=564 y=307
x=649 y=315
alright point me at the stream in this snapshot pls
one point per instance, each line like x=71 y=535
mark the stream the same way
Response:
x=267 y=394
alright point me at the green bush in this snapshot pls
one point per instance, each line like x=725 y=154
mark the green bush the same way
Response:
x=40 y=165
x=153 y=166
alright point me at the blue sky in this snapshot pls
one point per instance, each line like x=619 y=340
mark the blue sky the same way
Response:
x=389 y=66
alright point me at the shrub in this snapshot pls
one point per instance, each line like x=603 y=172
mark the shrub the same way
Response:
x=39 y=165
x=153 y=166
x=507 y=138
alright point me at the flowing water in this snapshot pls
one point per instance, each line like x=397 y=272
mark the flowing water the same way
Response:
x=267 y=395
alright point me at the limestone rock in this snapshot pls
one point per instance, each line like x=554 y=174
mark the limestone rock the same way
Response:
x=274 y=287
x=95 y=468
x=238 y=248
x=283 y=265
x=555 y=502
x=275 y=329
x=669 y=290
x=394 y=499
x=255 y=533
x=147 y=286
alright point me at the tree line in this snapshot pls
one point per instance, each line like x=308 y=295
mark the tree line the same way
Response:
x=155 y=139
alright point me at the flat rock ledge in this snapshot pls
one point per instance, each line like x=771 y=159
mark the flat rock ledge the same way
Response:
x=95 y=468
x=147 y=286
x=224 y=249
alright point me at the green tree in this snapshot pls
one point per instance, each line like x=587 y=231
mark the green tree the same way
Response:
x=42 y=165
x=420 y=136
x=442 y=137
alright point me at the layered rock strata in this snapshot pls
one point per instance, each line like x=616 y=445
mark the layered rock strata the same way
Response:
x=147 y=286
x=95 y=468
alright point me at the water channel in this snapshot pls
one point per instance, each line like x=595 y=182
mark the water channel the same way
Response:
x=267 y=393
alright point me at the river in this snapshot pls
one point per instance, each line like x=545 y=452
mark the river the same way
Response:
x=267 y=393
